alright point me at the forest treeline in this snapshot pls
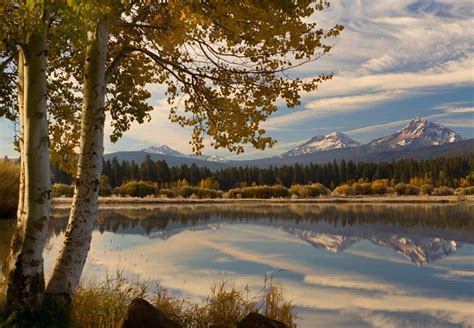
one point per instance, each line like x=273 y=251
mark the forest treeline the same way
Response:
x=452 y=172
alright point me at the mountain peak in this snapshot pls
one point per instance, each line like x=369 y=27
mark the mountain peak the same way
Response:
x=162 y=150
x=418 y=132
x=334 y=140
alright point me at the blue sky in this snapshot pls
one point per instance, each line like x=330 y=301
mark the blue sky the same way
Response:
x=395 y=60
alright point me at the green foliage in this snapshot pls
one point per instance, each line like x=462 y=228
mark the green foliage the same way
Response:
x=62 y=190
x=135 y=189
x=9 y=188
x=264 y=192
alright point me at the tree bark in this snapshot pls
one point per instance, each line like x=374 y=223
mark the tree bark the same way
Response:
x=24 y=268
x=67 y=271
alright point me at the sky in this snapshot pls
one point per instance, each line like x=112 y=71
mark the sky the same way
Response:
x=395 y=60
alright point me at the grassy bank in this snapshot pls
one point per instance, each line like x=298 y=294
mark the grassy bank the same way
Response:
x=104 y=304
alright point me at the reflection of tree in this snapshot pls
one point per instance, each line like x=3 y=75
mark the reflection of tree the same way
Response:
x=453 y=217
x=341 y=224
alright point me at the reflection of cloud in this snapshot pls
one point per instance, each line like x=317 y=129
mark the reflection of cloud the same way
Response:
x=191 y=261
x=351 y=281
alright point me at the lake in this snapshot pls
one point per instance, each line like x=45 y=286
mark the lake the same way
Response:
x=343 y=265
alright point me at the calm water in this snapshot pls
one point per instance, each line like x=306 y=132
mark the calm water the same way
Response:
x=343 y=265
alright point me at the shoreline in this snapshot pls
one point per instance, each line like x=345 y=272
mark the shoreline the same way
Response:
x=320 y=200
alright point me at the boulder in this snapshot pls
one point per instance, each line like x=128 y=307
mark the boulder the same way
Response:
x=256 y=320
x=141 y=314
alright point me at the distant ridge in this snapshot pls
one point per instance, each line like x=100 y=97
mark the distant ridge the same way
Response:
x=419 y=139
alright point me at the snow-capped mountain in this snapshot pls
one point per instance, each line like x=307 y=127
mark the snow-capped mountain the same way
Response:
x=419 y=132
x=165 y=150
x=334 y=140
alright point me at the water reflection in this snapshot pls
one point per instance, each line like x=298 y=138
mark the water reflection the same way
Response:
x=421 y=233
x=363 y=265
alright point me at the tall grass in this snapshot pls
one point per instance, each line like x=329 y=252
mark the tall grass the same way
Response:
x=104 y=303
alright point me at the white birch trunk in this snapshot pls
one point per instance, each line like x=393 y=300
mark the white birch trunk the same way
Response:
x=67 y=271
x=21 y=114
x=24 y=269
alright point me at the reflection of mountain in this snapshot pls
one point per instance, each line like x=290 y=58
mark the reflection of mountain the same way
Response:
x=333 y=243
x=422 y=233
x=421 y=250
x=418 y=249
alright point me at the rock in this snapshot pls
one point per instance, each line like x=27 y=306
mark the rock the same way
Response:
x=142 y=314
x=256 y=320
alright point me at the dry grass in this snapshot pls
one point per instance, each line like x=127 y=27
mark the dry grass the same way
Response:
x=104 y=303
x=10 y=180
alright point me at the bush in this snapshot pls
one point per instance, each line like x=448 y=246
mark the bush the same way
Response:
x=104 y=190
x=199 y=193
x=407 y=189
x=379 y=188
x=135 y=189
x=262 y=192
x=364 y=188
x=168 y=193
x=426 y=189
x=343 y=190
x=62 y=190
x=443 y=191
x=312 y=190
x=464 y=191
x=9 y=188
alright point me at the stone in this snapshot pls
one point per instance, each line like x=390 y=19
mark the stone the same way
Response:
x=142 y=314
x=256 y=320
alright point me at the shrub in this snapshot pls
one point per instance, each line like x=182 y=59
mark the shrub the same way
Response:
x=379 y=188
x=135 y=189
x=406 y=189
x=426 y=189
x=168 y=193
x=363 y=188
x=262 y=192
x=464 y=191
x=104 y=190
x=62 y=190
x=312 y=190
x=343 y=190
x=9 y=188
x=189 y=191
x=443 y=191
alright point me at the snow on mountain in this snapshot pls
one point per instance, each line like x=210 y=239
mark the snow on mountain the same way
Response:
x=330 y=242
x=419 y=250
x=418 y=132
x=165 y=150
x=211 y=158
x=334 y=140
